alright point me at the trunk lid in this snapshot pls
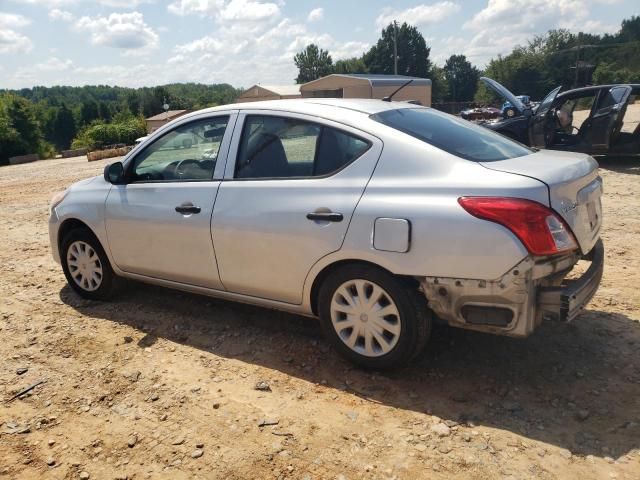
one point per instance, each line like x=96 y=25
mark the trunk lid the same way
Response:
x=574 y=188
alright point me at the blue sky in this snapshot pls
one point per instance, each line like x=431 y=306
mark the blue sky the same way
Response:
x=243 y=42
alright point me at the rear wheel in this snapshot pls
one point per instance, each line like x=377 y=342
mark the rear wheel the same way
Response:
x=373 y=318
x=86 y=266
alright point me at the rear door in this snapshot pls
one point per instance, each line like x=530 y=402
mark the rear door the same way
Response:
x=287 y=199
x=607 y=117
x=539 y=128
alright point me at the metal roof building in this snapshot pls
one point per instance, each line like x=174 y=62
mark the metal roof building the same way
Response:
x=155 y=122
x=269 y=92
x=366 y=85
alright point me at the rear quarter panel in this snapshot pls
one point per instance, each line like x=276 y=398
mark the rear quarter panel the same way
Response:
x=422 y=184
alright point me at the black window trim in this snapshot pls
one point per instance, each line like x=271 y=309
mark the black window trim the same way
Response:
x=132 y=160
x=322 y=126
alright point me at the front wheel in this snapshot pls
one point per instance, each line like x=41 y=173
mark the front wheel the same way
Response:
x=86 y=266
x=373 y=318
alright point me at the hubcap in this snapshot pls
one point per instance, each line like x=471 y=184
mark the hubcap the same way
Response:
x=84 y=266
x=365 y=318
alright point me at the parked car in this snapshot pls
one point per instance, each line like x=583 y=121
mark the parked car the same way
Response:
x=481 y=113
x=599 y=120
x=509 y=111
x=373 y=216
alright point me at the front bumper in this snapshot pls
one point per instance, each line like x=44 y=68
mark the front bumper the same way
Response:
x=568 y=300
x=54 y=226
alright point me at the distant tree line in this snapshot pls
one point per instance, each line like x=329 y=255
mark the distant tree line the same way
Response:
x=558 y=57
x=45 y=120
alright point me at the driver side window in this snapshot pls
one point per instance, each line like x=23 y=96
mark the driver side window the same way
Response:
x=186 y=153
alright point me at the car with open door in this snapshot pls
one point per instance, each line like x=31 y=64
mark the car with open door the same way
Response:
x=599 y=120
x=375 y=217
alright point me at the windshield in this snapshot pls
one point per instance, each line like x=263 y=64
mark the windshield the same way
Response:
x=458 y=137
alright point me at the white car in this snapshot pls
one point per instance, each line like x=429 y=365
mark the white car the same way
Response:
x=376 y=217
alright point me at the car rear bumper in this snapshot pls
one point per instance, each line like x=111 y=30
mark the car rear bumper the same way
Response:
x=567 y=301
x=516 y=303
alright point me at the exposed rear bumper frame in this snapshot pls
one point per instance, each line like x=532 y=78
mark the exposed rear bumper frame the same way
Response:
x=568 y=300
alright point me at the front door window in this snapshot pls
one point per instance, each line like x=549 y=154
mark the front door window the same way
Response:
x=187 y=153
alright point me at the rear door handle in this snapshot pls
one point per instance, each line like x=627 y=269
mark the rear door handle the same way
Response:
x=187 y=208
x=325 y=216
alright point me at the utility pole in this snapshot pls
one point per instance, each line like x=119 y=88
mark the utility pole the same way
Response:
x=575 y=85
x=395 y=47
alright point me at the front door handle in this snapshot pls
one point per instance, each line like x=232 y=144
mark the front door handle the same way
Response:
x=187 y=208
x=325 y=216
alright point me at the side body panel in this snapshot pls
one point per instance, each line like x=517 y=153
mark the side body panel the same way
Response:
x=264 y=241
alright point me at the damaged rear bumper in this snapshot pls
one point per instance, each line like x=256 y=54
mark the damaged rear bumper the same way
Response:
x=567 y=301
x=516 y=303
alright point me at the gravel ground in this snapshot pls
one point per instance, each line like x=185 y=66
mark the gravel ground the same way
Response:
x=162 y=384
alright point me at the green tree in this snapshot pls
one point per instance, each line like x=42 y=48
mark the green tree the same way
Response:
x=630 y=29
x=9 y=136
x=89 y=112
x=350 y=65
x=64 y=128
x=439 y=85
x=312 y=63
x=462 y=78
x=104 y=111
x=413 y=52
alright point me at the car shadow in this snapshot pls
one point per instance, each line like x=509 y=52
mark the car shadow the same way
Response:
x=629 y=165
x=574 y=385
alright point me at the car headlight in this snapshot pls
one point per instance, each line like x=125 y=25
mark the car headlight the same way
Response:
x=56 y=199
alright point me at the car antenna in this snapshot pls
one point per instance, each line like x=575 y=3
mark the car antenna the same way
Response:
x=389 y=97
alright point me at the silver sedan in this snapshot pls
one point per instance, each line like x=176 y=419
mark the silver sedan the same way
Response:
x=375 y=217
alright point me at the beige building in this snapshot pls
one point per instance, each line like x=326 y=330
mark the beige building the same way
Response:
x=269 y=92
x=365 y=85
x=155 y=122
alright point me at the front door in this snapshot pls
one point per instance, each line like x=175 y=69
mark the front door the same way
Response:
x=287 y=200
x=541 y=125
x=607 y=117
x=158 y=223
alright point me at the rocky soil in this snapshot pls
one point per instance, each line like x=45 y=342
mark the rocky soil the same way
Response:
x=162 y=384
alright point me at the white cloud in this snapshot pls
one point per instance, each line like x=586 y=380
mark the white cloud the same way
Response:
x=106 y=3
x=12 y=41
x=419 y=15
x=124 y=3
x=54 y=64
x=227 y=10
x=341 y=51
x=11 y=20
x=249 y=11
x=315 y=15
x=119 y=30
x=57 y=14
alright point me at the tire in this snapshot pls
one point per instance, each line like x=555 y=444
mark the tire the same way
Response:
x=83 y=246
x=407 y=318
x=509 y=112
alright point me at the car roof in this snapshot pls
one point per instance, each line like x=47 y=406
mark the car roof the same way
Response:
x=316 y=106
x=593 y=88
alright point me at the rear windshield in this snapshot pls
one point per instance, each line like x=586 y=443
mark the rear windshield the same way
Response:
x=456 y=136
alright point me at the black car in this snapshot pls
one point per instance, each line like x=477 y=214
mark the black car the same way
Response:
x=599 y=120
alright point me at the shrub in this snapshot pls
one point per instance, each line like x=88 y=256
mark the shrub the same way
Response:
x=98 y=135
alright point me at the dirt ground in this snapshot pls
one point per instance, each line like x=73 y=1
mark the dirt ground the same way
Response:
x=161 y=384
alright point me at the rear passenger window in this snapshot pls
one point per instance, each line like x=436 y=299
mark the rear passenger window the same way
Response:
x=279 y=147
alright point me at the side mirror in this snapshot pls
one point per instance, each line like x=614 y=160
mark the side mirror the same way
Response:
x=114 y=173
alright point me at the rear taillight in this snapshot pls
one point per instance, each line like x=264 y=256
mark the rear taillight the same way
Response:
x=539 y=228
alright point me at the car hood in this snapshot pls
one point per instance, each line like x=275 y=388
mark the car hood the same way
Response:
x=504 y=92
x=86 y=181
